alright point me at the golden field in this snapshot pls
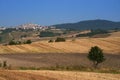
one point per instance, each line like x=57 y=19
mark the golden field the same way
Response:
x=56 y=75
x=109 y=45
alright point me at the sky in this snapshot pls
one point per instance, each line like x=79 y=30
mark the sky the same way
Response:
x=50 y=12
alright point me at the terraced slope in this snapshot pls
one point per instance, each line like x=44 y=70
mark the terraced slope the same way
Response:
x=109 y=45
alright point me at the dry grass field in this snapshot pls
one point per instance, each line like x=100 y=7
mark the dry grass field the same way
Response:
x=109 y=45
x=56 y=75
x=71 y=75
x=16 y=75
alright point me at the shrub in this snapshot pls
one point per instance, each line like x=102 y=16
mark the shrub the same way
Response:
x=28 y=42
x=60 y=40
x=4 y=64
x=50 y=41
x=12 y=42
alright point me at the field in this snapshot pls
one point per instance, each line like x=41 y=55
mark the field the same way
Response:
x=15 y=75
x=81 y=45
x=53 y=59
x=56 y=75
x=71 y=53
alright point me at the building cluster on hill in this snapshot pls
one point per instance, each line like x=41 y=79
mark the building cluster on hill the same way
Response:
x=32 y=26
x=2 y=28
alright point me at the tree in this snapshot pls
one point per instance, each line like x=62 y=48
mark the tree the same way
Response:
x=96 y=56
x=28 y=42
x=60 y=40
x=12 y=42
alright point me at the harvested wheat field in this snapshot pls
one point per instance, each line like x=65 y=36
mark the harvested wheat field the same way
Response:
x=15 y=75
x=109 y=45
x=72 y=75
x=55 y=75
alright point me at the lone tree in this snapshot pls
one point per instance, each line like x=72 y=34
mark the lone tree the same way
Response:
x=96 y=56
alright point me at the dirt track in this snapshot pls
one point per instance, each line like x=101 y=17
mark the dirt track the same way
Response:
x=51 y=59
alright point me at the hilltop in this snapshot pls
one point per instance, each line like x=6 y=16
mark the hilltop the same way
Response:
x=90 y=24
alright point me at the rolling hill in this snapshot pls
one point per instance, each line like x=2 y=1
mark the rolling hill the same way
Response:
x=82 y=45
x=90 y=24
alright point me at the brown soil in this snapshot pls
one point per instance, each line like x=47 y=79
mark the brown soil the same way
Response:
x=51 y=59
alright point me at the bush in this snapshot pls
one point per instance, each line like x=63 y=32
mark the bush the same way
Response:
x=60 y=40
x=50 y=41
x=28 y=42
x=4 y=64
x=12 y=43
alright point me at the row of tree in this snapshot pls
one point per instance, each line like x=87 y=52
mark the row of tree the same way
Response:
x=12 y=42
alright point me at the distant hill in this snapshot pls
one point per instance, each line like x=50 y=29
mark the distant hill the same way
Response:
x=90 y=24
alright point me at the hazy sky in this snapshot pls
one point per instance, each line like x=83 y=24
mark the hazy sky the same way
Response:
x=48 y=12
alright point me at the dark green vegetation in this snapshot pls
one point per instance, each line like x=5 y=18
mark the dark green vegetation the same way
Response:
x=96 y=56
x=60 y=39
x=93 y=32
x=12 y=42
x=48 y=34
x=50 y=41
x=28 y=42
x=90 y=24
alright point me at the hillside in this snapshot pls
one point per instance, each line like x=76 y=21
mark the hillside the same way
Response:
x=80 y=45
x=90 y=24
